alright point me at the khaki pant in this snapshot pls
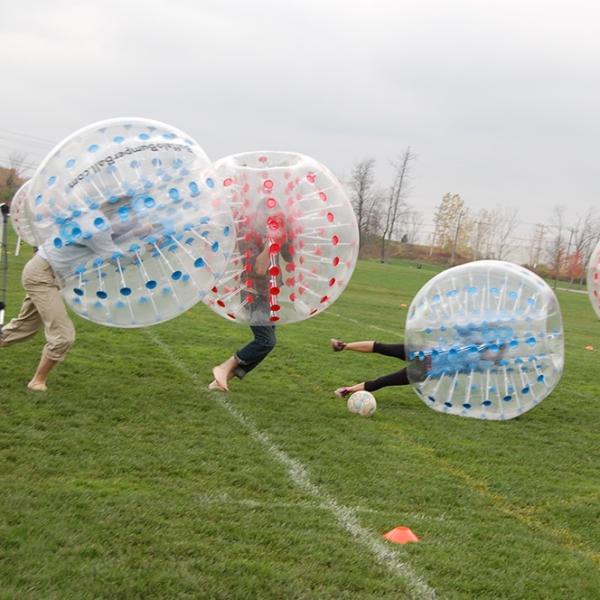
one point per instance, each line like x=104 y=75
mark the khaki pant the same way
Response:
x=43 y=305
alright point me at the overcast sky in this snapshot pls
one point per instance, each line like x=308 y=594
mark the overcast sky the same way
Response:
x=498 y=99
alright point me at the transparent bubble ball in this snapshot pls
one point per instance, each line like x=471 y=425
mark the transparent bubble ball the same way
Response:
x=484 y=340
x=19 y=214
x=127 y=212
x=296 y=238
x=593 y=280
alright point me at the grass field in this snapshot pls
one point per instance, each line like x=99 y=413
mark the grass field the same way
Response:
x=128 y=479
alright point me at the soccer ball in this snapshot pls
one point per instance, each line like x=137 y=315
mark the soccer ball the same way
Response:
x=362 y=403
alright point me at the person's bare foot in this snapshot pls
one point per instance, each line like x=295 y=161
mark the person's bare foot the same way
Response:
x=214 y=386
x=37 y=386
x=220 y=374
x=224 y=372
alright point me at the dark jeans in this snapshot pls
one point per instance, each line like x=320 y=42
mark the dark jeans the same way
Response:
x=253 y=353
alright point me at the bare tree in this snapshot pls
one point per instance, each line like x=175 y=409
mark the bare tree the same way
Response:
x=504 y=222
x=361 y=185
x=582 y=237
x=414 y=225
x=396 y=197
x=16 y=169
x=481 y=234
x=453 y=225
x=373 y=224
x=556 y=248
x=537 y=243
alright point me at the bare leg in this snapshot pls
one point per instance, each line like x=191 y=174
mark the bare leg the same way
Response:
x=360 y=347
x=338 y=346
x=38 y=382
x=223 y=373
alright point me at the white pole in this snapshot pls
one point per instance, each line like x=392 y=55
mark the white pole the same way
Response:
x=18 y=246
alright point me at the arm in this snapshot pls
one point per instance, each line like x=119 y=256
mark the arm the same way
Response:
x=261 y=262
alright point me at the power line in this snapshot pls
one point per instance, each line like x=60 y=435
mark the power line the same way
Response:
x=26 y=135
x=35 y=149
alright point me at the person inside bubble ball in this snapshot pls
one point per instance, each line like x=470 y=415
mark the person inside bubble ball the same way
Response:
x=43 y=277
x=395 y=350
x=472 y=353
x=263 y=232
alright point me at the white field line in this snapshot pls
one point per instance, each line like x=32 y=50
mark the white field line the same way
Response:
x=346 y=516
x=563 y=289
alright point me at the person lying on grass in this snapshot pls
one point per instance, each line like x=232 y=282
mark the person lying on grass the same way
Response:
x=486 y=356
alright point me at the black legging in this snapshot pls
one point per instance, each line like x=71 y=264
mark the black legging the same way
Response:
x=397 y=378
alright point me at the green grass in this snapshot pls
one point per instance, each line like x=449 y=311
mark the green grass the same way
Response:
x=128 y=479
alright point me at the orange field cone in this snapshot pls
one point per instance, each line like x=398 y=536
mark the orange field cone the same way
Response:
x=403 y=305
x=400 y=535
x=589 y=347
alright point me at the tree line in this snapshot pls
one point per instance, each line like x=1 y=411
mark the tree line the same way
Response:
x=560 y=248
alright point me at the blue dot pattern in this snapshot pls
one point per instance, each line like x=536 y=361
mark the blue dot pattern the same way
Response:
x=126 y=198
x=484 y=340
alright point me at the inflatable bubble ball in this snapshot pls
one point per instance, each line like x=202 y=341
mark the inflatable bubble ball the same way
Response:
x=593 y=280
x=19 y=214
x=127 y=213
x=296 y=239
x=484 y=340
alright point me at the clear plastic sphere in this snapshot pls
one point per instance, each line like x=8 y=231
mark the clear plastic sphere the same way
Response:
x=19 y=214
x=297 y=238
x=593 y=280
x=126 y=212
x=484 y=340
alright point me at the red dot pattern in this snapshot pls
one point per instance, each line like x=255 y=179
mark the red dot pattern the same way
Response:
x=306 y=232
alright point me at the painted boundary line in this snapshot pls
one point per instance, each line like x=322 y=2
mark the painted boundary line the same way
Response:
x=563 y=289
x=346 y=516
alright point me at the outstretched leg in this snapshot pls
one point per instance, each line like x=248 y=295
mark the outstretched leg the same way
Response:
x=394 y=350
x=338 y=346
x=397 y=378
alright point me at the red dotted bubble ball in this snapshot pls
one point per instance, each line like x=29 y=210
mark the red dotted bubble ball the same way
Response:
x=593 y=280
x=296 y=238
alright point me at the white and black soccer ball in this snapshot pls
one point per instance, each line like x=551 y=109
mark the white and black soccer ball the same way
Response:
x=362 y=403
